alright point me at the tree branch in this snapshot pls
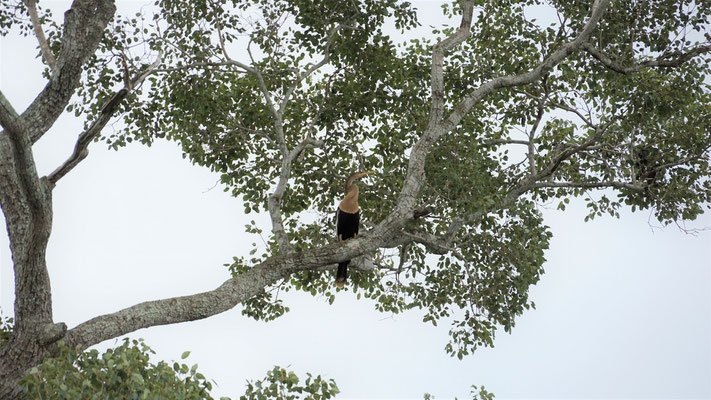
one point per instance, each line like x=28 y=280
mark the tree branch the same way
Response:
x=664 y=62
x=81 y=148
x=532 y=181
x=274 y=201
x=8 y=115
x=276 y=114
x=532 y=135
x=437 y=74
x=589 y=185
x=39 y=33
x=84 y=25
x=228 y=295
x=314 y=68
x=494 y=142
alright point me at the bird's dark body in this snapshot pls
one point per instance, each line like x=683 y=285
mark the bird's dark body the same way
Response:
x=346 y=228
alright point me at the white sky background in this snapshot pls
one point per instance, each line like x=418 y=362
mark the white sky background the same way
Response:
x=623 y=311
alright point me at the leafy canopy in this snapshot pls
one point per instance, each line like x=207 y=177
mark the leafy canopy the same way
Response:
x=234 y=92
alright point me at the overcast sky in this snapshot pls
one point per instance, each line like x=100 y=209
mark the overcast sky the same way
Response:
x=623 y=311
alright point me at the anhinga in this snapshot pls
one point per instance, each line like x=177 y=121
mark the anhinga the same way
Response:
x=347 y=221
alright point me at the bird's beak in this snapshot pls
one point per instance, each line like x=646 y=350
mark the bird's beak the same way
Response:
x=366 y=173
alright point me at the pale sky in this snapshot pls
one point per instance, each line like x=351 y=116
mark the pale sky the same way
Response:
x=623 y=310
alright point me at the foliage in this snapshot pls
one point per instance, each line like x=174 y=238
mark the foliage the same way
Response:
x=124 y=372
x=476 y=393
x=372 y=103
x=284 y=385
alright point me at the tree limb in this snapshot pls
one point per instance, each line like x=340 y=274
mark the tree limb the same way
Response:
x=39 y=33
x=8 y=115
x=81 y=148
x=532 y=134
x=664 y=62
x=436 y=74
x=598 y=9
x=589 y=185
x=202 y=305
x=84 y=25
x=274 y=201
x=494 y=142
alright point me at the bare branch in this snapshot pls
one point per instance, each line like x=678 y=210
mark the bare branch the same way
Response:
x=494 y=142
x=532 y=135
x=231 y=293
x=437 y=74
x=274 y=202
x=39 y=33
x=276 y=114
x=664 y=62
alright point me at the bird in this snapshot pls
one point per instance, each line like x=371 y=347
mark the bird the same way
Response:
x=645 y=168
x=347 y=221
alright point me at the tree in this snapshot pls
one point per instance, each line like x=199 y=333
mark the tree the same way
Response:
x=612 y=96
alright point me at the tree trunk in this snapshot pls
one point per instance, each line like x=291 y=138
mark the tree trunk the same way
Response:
x=16 y=358
x=26 y=202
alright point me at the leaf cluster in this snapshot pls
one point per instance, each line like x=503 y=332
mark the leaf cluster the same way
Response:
x=124 y=372
x=285 y=385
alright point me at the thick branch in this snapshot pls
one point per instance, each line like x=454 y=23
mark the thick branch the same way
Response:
x=227 y=296
x=663 y=62
x=8 y=115
x=436 y=74
x=84 y=26
x=39 y=33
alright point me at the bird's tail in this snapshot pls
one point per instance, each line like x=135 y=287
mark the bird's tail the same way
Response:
x=342 y=274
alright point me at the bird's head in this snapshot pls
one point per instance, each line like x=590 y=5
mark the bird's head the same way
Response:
x=350 y=182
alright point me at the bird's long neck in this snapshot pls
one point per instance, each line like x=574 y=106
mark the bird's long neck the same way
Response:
x=349 y=203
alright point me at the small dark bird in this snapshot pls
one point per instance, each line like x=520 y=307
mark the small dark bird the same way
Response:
x=347 y=221
x=645 y=168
